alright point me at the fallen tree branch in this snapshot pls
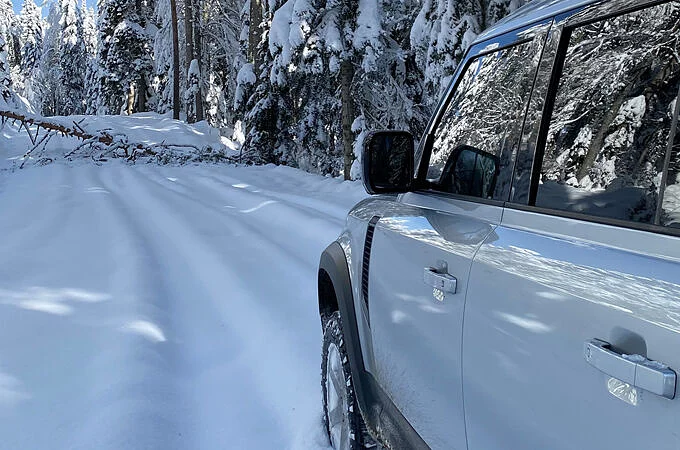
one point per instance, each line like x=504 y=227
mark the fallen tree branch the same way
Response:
x=42 y=142
x=106 y=143
x=77 y=132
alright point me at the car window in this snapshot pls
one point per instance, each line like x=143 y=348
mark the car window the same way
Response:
x=669 y=214
x=480 y=129
x=607 y=147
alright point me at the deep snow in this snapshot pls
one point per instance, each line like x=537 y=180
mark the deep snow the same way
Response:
x=146 y=306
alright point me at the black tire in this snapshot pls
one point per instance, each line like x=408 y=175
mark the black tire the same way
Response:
x=358 y=436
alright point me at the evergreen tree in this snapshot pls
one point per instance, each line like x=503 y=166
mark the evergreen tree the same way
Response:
x=9 y=32
x=49 y=75
x=72 y=58
x=31 y=37
x=124 y=55
x=265 y=139
x=222 y=58
x=442 y=33
x=29 y=28
x=89 y=29
x=6 y=95
x=162 y=101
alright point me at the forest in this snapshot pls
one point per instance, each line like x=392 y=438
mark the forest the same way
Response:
x=297 y=83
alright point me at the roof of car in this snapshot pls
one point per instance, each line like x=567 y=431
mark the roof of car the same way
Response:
x=533 y=11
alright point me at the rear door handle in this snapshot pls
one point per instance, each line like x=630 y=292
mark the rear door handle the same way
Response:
x=440 y=280
x=635 y=370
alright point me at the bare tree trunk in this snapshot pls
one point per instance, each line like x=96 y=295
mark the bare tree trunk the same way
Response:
x=346 y=77
x=141 y=94
x=254 y=33
x=189 y=34
x=200 y=115
x=141 y=87
x=175 y=61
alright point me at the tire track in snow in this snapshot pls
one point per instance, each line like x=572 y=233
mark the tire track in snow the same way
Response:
x=144 y=395
x=295 y=201
x=52 y=206
x=262 y=225
x=199 y=281
x=218 y=189
x=250 y=177
x=185 y=316
x=87 y=366
x=222 y=273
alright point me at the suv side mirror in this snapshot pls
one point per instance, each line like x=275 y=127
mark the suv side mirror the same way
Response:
x=387 y=161
x=471 y=171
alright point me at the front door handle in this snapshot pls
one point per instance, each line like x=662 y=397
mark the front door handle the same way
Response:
x=635 y=370
x=441 y=280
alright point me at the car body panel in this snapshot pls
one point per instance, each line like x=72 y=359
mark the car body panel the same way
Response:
x=540 y=287
x=381 y=417
x=416 y=332
x=532 y=12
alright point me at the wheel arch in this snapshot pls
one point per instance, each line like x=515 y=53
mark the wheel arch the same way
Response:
x=328 y=301
x=384 y=421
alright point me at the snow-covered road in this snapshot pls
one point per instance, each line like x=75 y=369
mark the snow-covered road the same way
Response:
x=163 y=307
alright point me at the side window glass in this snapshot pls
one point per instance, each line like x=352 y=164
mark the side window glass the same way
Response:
x=476 y=139
x=608 y=139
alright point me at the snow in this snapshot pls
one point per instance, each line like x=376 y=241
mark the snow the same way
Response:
x=146 y=306
x=246 y=75
x=194 y=69
x=367 y=33
x=279 y=34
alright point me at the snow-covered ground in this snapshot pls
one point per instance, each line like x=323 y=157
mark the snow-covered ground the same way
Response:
x=146 y=306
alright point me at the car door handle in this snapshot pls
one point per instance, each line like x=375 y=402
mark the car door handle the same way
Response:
x=635 y=370
x=440 y=280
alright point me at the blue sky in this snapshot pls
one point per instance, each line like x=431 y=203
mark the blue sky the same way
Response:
x=17 y=4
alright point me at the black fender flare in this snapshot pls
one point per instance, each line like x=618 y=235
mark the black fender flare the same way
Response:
x=381 y=416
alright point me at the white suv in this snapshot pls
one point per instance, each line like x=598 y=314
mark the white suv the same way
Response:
x=514 y=283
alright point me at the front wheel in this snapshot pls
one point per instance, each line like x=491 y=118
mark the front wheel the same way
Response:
x=342 y=418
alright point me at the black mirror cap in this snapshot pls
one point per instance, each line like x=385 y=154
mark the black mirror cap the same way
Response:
x=388 y=162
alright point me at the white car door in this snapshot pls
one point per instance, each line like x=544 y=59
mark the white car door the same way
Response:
x=423 y=244
x=572 y=320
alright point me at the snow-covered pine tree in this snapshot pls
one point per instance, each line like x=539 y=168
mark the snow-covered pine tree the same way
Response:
x=306 y=72
x=124 y=55
x=193 y=91
x=6 y=17
x=265 y=133
x=221 y=60
x=321 y=52
x=48 y=78
x=388 y=86
x=9 y=32
x=6 y=95
x=442 y=33
x=244 y=65
x=72 y=58
x=89 y=29
x=162 y=63
x=29 y=26
x=92 y=66
x=193 y=95
x=31 y=37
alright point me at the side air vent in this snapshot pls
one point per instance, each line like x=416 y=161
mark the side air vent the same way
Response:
x=367 y=259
